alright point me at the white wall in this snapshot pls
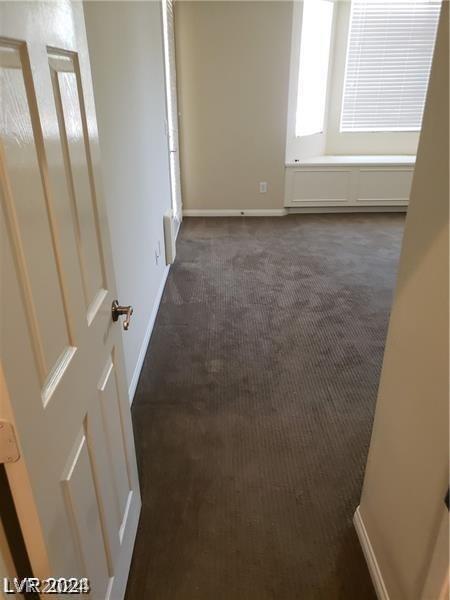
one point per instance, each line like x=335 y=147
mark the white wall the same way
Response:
x=126 y=51
x=407 y=473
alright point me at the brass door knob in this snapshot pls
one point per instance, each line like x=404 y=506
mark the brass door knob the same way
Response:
x=117 y=311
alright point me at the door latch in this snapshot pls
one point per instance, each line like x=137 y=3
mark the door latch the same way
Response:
x=118 y=311
x=9 y=451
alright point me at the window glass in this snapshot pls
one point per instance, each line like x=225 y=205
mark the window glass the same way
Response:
x=315 y=44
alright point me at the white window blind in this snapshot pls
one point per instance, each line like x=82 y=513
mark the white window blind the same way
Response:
x=389 y=54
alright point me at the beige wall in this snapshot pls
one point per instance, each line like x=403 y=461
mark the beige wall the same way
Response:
x=233 y=78
x=408 y=465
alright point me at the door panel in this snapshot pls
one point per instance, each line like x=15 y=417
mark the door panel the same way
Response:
x=84 y=515
x=74 y=143
x=61 y=353
x=29 y=216
x=114 y=435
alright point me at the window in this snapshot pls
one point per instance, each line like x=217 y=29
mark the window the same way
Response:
x=313 y=71
x=389 y=54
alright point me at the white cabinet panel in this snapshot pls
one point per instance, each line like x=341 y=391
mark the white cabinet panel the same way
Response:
x=347 y=185
x=309 y=186
x=387 y=185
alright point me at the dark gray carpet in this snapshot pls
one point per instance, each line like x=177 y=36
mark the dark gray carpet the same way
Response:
x=254 y=408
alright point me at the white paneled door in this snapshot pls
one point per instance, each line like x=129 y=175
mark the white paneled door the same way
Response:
x=62 y=377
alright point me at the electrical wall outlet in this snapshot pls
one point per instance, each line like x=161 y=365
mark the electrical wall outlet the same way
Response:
x=263 y=187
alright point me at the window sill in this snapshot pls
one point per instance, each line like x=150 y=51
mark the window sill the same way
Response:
x=377 y=160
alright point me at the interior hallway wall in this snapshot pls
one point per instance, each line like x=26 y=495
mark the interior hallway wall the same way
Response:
x=402 y=504
x=233 y=79
x=126 y=51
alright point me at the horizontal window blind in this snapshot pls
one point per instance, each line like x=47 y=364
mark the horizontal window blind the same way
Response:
x=389 y=54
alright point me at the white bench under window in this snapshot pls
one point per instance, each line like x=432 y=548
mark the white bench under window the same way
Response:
x=349 y=181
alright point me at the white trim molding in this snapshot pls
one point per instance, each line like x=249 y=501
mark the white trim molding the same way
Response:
x=317 y=210
x=151 y=322
x=369 y=554
x=294 y=210
x=235 y=212
x=354 y=160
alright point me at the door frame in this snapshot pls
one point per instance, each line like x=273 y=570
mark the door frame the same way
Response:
x=168 y=97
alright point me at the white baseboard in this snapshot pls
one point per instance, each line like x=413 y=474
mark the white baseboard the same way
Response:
x=300 y=210
x=369 y=554
x=146 y=340
x=289 y=210
x=244 y=212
